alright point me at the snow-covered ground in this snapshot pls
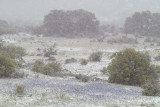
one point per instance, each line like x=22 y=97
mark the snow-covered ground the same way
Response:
x=46 y=91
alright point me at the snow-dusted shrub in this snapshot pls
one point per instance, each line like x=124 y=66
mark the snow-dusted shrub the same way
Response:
x=19 y=90
x=71 y=60
x=51 y=68
x=7 y=66
x=96 y=56
x=84 y=62
x=157 y=58
x=151 y=88
x=104 y=70
x=83 y=78
x=131 y=68
x=38 y=66
x=47 y=69
x=12 y=51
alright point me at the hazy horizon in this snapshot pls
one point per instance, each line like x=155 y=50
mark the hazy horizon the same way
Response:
x=33 y=11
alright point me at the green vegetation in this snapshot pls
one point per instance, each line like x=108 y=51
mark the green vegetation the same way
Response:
x=8 y=59
x=47 y=69
x=19 y=90
x=131 y=68
x=97 y=56
x=151 y=88
x=38 y=66
x=83 y=78
x=71 y=60
x=104 y=70
x=7 y=66
x=84 y=62
x=157 y=58
x=12 y=51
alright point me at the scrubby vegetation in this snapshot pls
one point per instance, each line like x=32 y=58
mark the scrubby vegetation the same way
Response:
x=123 y=39
x=96 y=56
x=131 y=68
x=9 y=59
x=38 y=66
x=157 y=58
x=70 y=60
x=151 y=88
x=12 y=51
x=104 y=70
x=19 y=90
x=47 y=69
x=83 y=78
x=84 y=62
x=7 y=66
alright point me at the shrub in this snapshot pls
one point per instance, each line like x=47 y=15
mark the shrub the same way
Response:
x=47 y=54
x=157 y=58
x=151 y=88
x=84 y=62
x=83 y=78
x=7 y=66
x=104 y=70
x=51 y=68
x=38 y=66
x=131 y=68
x=71 y=60
x=13 y=51
x=51 y=58
x=97 y=56
x=20 y=51
x=47 y=69
x=19 y=90
x=17 y=74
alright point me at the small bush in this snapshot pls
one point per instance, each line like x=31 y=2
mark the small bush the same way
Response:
x=7 y=66
x=157 y=58
x=151 y=88
x=13 y=51
x=83 y=78
x=51 y=68
x=19 y=90
x=47 y=54
x=71 y=60
x=104 y=70
x=97 y=56
x=47 y=69
x=17 y=74
x=84 y=62
x=52 y=58
x=38 y=66
x=131 y=68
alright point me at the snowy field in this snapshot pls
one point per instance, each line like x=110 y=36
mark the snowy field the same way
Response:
x=46 y=91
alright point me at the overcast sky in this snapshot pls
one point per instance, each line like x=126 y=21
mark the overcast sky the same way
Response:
x=105 y=10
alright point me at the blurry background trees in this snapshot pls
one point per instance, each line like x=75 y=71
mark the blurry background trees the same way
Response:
x=143 y=24
x=69 y=24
